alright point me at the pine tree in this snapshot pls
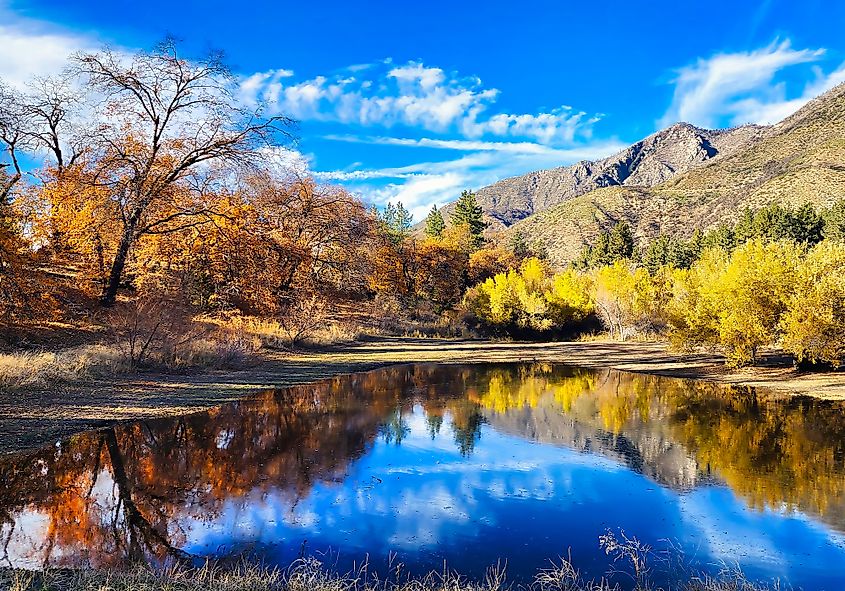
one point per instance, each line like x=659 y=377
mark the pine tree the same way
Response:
x=469 y=213
x=620 y=242
x=396 y=222
x=834 y=221
x=434 y=224
x=519 y=245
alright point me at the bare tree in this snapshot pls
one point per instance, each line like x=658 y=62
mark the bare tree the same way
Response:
x=12 y=137
x=161 y=120
x=49 y=108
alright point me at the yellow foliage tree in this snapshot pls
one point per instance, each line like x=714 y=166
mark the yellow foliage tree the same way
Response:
x=628 y=300
x=814 y=321
x=738 y=302
x=515 y=298
x=570 y=297
x=695 y=306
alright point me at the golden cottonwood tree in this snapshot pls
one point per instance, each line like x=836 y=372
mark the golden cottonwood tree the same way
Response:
x=736 y=302
x=628 y=300
x=814 y=321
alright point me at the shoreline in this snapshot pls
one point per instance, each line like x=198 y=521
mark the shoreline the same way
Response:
x=32 y=419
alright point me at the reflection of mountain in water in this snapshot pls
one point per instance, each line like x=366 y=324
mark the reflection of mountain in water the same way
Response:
x=774 y=451
x=641 y=447
x=125 y=493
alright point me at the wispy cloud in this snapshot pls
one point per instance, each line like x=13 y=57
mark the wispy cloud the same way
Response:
x=739 y=88
x=588 y=151
x=420 y=185
x=414 y=95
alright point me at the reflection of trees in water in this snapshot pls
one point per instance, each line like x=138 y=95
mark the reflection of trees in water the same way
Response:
x=771 y=450
x=395 y=428
x=123 y=493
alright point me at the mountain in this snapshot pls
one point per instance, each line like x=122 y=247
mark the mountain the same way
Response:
x=679 y=179
x=648 y=162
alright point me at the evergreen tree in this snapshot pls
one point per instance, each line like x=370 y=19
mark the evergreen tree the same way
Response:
x=620 y=242
x=519 y=245
x=396 y=222
x=809 y=224
x=599 y=255
x=434 y=224
x=695 y=245
x=469 y=213
x=666 y=250
x=834 y=221
x=722 y=236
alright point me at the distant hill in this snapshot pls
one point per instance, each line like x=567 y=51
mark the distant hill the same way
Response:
x=679 y=179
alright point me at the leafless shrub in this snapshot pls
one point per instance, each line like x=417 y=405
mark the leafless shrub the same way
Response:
x=301 y=317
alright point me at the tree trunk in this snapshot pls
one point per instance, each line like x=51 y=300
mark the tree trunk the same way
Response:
x=141 y=532
x=116 y=274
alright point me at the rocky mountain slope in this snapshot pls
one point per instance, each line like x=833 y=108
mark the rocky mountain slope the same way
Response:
x=655 y=159
x=679 y=179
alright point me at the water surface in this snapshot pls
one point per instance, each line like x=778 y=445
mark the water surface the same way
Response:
x=471 y=465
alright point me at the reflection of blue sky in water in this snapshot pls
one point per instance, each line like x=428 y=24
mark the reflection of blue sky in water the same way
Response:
x=516 y=500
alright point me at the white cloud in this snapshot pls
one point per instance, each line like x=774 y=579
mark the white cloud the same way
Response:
x=35 y=48
x=755 y=110
x=413 y=95
x=592 y=151
x=739 y=88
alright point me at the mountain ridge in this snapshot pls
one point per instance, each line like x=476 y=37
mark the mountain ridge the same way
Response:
x=673 y=182
x=652 y=160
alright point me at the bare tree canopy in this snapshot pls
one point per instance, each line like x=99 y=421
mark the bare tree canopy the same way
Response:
x=163 y=119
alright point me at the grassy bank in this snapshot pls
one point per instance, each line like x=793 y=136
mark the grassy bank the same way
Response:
x=309 y=575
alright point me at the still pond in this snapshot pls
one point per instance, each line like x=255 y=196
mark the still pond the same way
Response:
x=471 y=465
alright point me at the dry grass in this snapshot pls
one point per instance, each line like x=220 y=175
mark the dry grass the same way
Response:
x=29 y=369
x=44 y=369
x=309 y=575
x=272 y=334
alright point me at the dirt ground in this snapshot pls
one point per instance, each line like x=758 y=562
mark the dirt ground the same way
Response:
x=32 y=419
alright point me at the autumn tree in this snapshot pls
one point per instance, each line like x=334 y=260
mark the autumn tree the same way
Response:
x=490 y=261
x=514 y=299
x=814 y=321
x=736 y=302
x=570 y=297
x=628 y=300
x=468 y=213
x=164 y=121
x=439 y=269
x=267 y=248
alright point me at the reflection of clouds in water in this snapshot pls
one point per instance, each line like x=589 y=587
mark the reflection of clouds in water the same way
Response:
x=728 y=530
x=413 y=495
x=733 y=533
x=28 y=543
x=26 y=540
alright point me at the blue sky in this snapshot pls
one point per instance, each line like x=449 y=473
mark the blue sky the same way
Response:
x=418 y=101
